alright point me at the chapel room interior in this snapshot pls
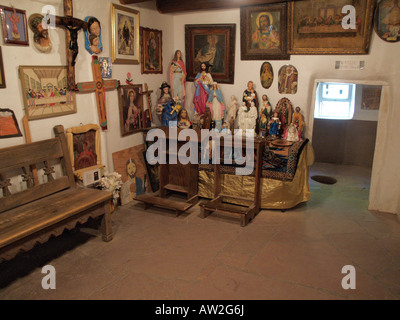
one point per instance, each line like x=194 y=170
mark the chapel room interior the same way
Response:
x=317 y=217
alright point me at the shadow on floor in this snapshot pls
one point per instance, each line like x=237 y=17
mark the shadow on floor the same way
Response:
x=42 y=254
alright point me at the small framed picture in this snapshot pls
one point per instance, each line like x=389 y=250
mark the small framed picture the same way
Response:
x=105 y=67
x=84 y=148
x=151 y=44
x=131 y=108
x=14 y=25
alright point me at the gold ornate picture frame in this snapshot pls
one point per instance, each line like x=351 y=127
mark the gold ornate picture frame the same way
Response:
x=315 y=27
x=84 y=148
x=125 y=37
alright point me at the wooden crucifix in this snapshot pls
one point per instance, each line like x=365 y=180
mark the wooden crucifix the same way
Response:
x=148 y=118
x=99 y=86
x=73 y=26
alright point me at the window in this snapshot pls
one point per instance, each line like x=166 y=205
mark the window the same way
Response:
x=335 y=101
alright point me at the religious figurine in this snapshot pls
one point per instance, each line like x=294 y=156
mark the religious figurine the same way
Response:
x=298 y=121
x=250 y=95
x=284 y=109
x=233 y=108
x=265 y=107
x=291 y=133
x=93 y=42
x=201 y=83
x=184 y=122
x=216 y=105
x=263 y=125
x=225 y=129
x=177 y=76
x=41 y=39
x=167 y=107
x=274 y=126
x=247 y=117
x=197 y=122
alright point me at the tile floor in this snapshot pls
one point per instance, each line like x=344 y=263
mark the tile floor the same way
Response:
x=297 y=254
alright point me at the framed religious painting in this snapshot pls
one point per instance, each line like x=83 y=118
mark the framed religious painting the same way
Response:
x=45 y=92
x=131 y=110
x=131 y=165
x=8 y=124
x=266 y=75
x=125 y=35
x=320 y=27
x=84 y=148
x=263 y=32
x=151 y=55
x=288 y=79
x=15 y=27
x=2 y=76
x=213 y=45
x=387 y=20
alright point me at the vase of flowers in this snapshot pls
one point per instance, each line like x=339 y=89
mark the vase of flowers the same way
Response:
x=112 y=182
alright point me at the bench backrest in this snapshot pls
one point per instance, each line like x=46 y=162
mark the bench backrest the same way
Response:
x=24 y=160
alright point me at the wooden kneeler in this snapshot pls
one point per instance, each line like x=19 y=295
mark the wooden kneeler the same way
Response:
x=246 y=213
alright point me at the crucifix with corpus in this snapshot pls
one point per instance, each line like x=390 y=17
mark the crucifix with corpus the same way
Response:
x=99 y=86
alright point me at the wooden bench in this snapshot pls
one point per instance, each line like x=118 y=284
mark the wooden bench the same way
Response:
x=48 y=208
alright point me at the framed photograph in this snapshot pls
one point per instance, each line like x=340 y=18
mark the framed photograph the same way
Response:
x=315 y=27
x=263 y=32
x=84 y=148
x=131 y=110
x=2 y=76
x=45 y=92
x=212 y=44
x=15 y=27
x=387 y=20
x=125 y=35
x=151 y=44
x=8 y=124
x=131 y=165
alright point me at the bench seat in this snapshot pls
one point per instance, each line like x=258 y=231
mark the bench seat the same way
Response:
x=23 y=221
x=41 y=210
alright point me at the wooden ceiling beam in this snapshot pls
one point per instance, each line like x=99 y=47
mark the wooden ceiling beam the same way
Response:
x=132 y=1
x=175 y=6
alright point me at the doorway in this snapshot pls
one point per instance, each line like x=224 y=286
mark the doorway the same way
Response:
x=357 y=141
